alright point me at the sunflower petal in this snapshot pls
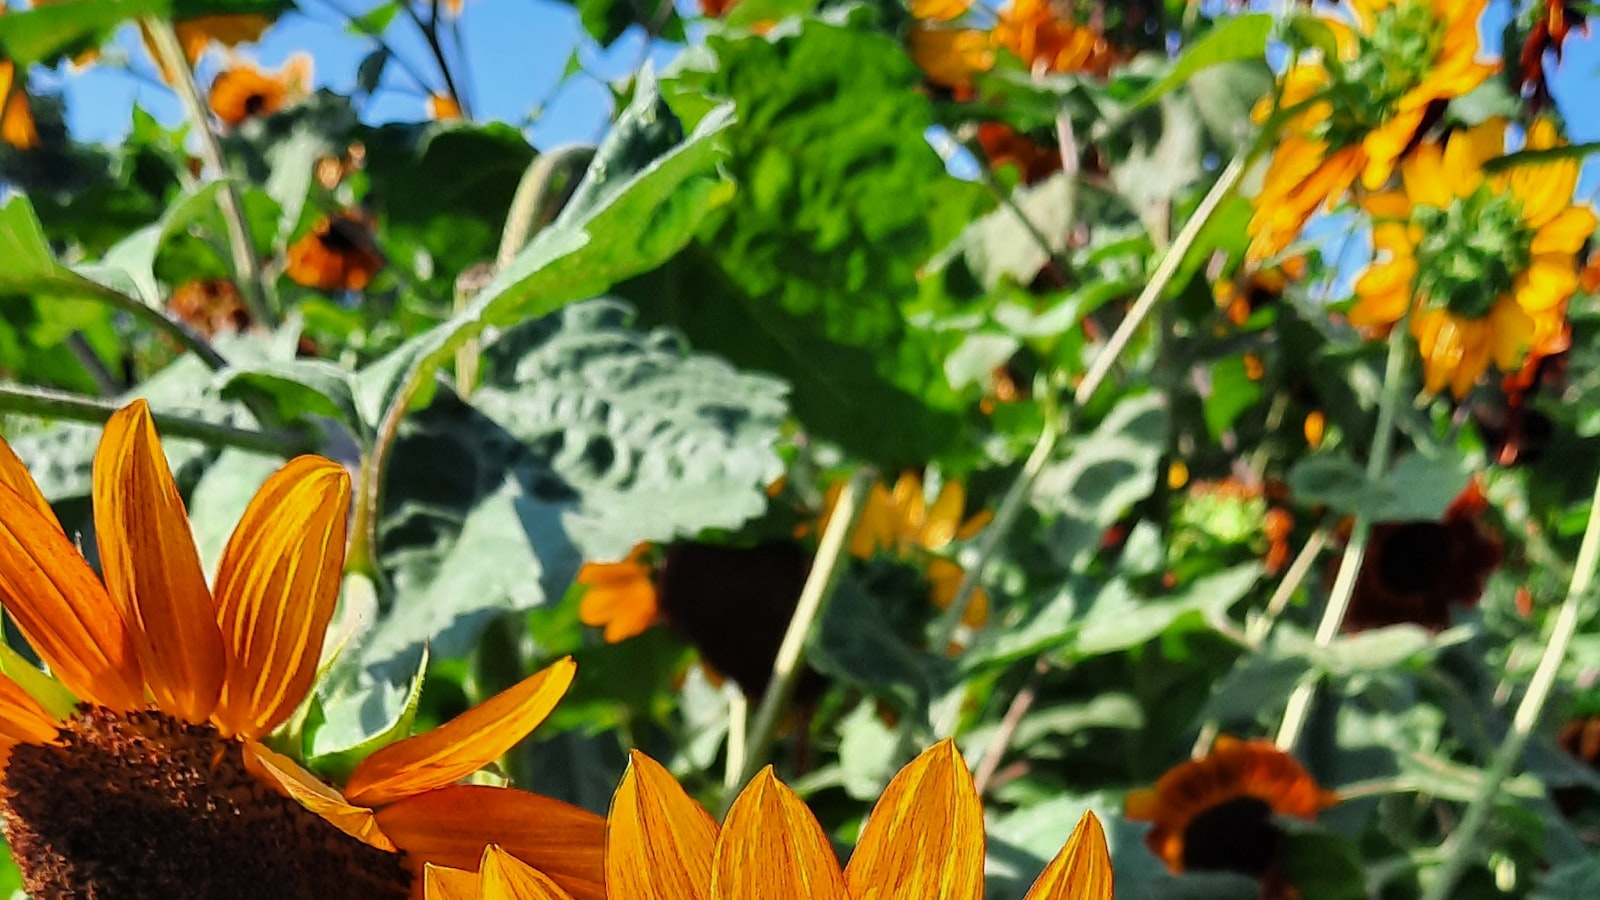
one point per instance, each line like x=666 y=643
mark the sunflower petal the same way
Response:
x=452 y=826
x=771 y=845
x=1081 y=871
x=14 y=475
x=659 y=843
x=462 y=745
x=277 y=585
x=63 y=610
x=294 y=782
x=924 y=839
x=445 y=883
x=504 y=877
x=22 y=719
x=152 y=569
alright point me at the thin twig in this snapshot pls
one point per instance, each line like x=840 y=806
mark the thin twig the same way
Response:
x=1020 y=704
x=51 y=404
x=246 y=268
x=1456 y=848
x=106 y=383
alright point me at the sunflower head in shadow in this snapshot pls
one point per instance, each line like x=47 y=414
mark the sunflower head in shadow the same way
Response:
x=1416 y=571
x=338 y=254
x=1219 y=813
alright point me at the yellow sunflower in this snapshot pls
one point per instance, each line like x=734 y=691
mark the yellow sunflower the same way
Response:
x=924 y=839
x=500 y=876
x=1357 y=114
x=139 y=768
x=1216 y=813
x=244 y=91
x=1485 y=261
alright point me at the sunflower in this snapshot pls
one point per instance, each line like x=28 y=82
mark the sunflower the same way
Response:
x=243 y=91
x=1357 y=114
x=338 y=254
x=1005 y=146
x=500 y=876
x=950 y=57
x=1484 y=261
x=1035 y=32
x=924 y=839
x=1216 y=813
x=140 y=769
x=1416 y=571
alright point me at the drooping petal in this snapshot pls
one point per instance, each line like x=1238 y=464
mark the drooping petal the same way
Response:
x=924 y=839
x=63 y=610
x=1081 y=871
x=152 y=569
x=14 y=475
x=772 y=846
x=297 y=784
x=445 y=883
x=277 y=584
x=504 y=877
x=22 y=719
x=452 y=826
x=659 y=843
x=462 y=745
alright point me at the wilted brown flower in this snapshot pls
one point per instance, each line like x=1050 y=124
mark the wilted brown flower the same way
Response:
x=338 y=254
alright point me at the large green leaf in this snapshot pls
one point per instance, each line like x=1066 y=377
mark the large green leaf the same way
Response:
x=810 y=274
x=49 y=31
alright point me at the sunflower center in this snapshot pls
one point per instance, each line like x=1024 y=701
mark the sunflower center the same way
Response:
x=1414 y=556
x=140 y=805
x=1236 y=836
x=1471 y=250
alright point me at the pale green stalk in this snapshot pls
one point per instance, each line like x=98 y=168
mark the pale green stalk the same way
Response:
x=50 y=404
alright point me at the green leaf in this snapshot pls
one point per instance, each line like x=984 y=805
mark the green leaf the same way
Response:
x=48 y=32
x=1575 y=879
x=298 y=388
x=1418 y=488
x=1242 y=37
x=1119 y=620
x=658 y=443
x=356 y=723
x=1233 y=392
x=858 y=643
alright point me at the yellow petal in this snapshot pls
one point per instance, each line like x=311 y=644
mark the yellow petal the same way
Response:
x=944 y=517
x=1549 y=279
x=14 y=475
x=1081 y=871
x=462 y=745
x=1423 y=175
x=659 y=843
x=152 y=569
x=924 y=839
x=62 y=609
x=294 y=782
x=1511 y=332
x=445 y=883
x=22 y=719
x=452 y=826
x=941 y=10
x=771 y=846
x=277 y=585
x=504 y=877
x=1566 y=232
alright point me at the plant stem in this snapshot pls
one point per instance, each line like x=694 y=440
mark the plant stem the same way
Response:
x=158 y=318
x=50 y=404
x=1456 y=848
x=786 y=668
x=989 y=763
x=246 y=268
x=1298 y=708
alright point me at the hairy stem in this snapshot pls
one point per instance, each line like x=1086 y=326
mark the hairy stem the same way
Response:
x=50 y=404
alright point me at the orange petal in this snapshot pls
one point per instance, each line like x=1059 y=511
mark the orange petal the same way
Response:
x=277 y=585
x=659 y=843
x=771 y=846
x=152 y=569
x=445 y=883
x=1081 y=871
x=462 y=745
x=452 y=826
x=504 y=877
x=925 y=836
x=1566 y=232
x=294 y=782
x=22 y=719
x=63 y=610
x=14 y=475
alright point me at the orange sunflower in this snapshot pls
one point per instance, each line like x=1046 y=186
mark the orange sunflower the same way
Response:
x=924 y=838
x=1483 y=261
x=500 y=876
x=1359 y=113
x=1216 y=813
x=139 y=768
x=338 y=254
x=243 y=91
x=16 y=119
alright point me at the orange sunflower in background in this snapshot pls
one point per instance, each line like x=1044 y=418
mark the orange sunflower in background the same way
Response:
x=243 y=91
x=1215 y=814
x=16 y=119
x=1355 y=116
x=338 y=254
x=924 y=838
x=139 y=767
x=1033 y=31
x=1483 y=262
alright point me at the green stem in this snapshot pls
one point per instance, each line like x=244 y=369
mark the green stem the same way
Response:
x=1298 y=708
x=49 y=404
x=246 y=268
x=786 y=668
x=159 y=319
x=1456 y=848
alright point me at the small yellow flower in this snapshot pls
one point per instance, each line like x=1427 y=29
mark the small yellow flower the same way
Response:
x=924 y=838
x=443 y=108
x=619 y=596
x=1484 y=261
